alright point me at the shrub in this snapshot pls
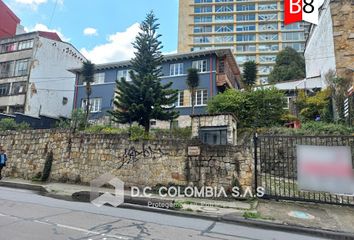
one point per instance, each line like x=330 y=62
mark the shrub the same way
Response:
x=77 y=121
x=10 y=124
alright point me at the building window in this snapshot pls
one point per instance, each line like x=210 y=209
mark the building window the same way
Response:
x=202 y=39
x=246 y=38
x=202 y=19
x=203 y=9
x=224 y=8
x=200 y=65
x=297 y=46
x=180 y=100
x=203 y=1
x=176 y=69
x=268 y=47
x=4 y=89
x=268 y=37
x=246 y=48
x=21 y=67
x=266 y=7
x=268 y=27
x=245 y=28
x=223 y=39
x=95 y=104
x=8 y=47
x=224 y=28
x=25 y=44
x=244 y=58
x=6 y=69
x=267 y=58
x=293 y=36
x=201 y=97
x=203 y=29
x=248 y=7
x=224 y=18
x=246 y=17
x=267 y=17
x=18 y=88
x=98 y=78
x=213 y=135
x=123 y=74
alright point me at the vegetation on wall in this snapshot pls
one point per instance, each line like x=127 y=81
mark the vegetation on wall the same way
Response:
x=76 y=123
x=259 y=108
x=10 y=124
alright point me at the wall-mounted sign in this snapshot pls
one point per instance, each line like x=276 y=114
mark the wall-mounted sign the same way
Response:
x=325 y=169
x=193 y=151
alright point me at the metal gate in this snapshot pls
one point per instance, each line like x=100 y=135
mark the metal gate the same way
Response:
x=276 y=167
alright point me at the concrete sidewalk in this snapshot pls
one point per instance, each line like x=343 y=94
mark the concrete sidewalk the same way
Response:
x=315 y=219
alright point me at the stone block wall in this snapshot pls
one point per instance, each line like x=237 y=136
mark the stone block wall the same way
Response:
x=83 y=157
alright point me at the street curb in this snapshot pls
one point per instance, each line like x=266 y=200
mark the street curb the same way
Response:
x=226 y=219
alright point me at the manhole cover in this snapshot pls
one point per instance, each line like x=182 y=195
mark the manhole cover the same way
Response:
x=301 y=215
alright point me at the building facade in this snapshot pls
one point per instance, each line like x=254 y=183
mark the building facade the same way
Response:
x=252 y=29
x=9 y=22
x=218 y=71
x=330 y=46
x=33 y=74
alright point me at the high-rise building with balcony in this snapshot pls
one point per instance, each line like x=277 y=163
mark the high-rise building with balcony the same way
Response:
x=253 y=29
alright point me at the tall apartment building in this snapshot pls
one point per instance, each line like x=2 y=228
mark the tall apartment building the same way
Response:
x=34 y=76
x=253 y=29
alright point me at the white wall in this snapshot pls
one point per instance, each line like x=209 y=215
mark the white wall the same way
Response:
x=50 y=80
x=319 y=52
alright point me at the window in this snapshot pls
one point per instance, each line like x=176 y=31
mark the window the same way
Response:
x=293 y=26
x=246 y=17
x=268 y=37
x=264 y=80
x=297 y=46
x=8 y=47
x=293 y=36
x=268 y=47
x=6 y=69
x=176 y=69
x=267 y=58
x=224 y=18
x=203 y=29
x=21 y=67
x=202 y=19
x=203 y=9
x=200 y=65
x=224 y=8
x=244 y=58
x=95 y=104
x=244 y=7
x=4 y=89
x=244 y=28
x=246 y=48
x=123 y=74
x=203 y=1
x=268 y=27
x=265 y=7
x=202 y=39
x=18 y=88
x=201 y=97
x=98 y=78
x=267 y=17
x=25 y=44
x=180 y=100
x=223 y=39
x=224 y=28
x=246 y=38
x=265 y=69
x=213 y=135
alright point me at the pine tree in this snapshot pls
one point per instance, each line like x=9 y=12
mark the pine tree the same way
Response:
x=249 y=73
x=88 y=71
x=145 y=97
x=192 y=83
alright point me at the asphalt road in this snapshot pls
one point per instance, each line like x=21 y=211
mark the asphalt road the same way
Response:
x=26 y=215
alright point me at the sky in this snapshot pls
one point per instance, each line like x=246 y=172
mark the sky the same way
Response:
x=102 y=30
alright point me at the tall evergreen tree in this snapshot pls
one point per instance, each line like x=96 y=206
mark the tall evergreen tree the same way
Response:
x=289 y=65
x=249 y=73
x=145 y=97
x=88 y=71
x=192 y=83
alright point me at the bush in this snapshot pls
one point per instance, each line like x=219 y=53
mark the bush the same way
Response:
x=77 y=121
x=10 y=124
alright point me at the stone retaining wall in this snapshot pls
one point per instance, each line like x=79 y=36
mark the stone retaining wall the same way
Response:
x=82 y=157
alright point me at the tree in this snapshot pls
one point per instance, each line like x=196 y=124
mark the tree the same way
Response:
x=145 y=97
x=88 y=71
x=289 y=65
x=192 y=83
x=259 y=108
x=312 y=106
x=250 y=73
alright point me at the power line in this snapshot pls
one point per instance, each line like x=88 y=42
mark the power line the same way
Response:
x=51 y=18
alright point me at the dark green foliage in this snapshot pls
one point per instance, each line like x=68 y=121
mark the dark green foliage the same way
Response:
x=145 y=97
x=289 y=65
x=260 y=108
x=250 y=73
x=77 y=121
x=192 y=83
x=47 y=167
x=88 y=71
x=10 y=124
